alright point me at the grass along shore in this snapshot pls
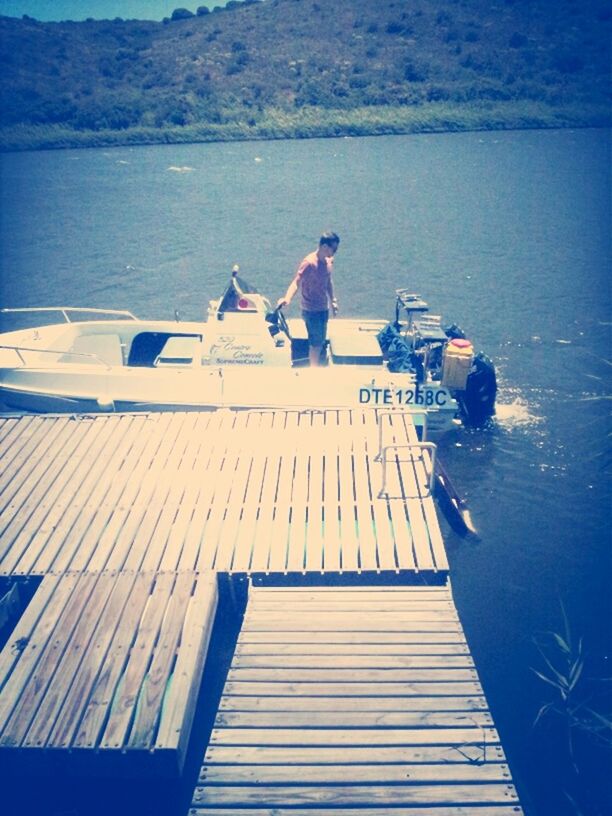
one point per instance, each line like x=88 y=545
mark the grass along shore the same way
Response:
x=315 y=122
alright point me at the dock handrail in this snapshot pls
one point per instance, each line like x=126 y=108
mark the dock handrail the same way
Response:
x=412 y=412
x=430 y=446
x=19 y=349
x=65 y=310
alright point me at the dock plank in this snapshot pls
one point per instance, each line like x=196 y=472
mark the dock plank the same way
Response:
x=350 y=719
x=349 y=689
x=279 y=540
x=116 y=505
x=385 y=538
x=331 y=496
x=366 y=527
x=22 y=465
x=119 y=721
x=433 y=525
x=206 y=434
x=240 y=559
x=27 y=502
x=128 y=548
x=223 y=540
x=322 y=623
x=24 y=690
x=144 y=727
x=351 y=637
x=166 y=499
x=355 y=650
x=64 y=729
x=9 y=433
x=364 y=795
x=264 y=523
x=195 y=550
x=23 y=632
x=338 y=774
x=412 y=485
x=483 y=735
x=181 y=694
x=220 y=495
x=353 y=755
x=50 y=706
x=103 y=691
x=74 y=540
x=473 y=809
x=30 y=545
x=302 y=444
x=314 y=545
x=350 y=556
x=353 y=705
x=402 y=535
x=321 y=661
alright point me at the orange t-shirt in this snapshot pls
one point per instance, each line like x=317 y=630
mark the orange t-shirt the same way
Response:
x=313 y=277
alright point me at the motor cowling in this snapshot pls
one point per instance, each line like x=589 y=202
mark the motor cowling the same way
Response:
x=477 y=402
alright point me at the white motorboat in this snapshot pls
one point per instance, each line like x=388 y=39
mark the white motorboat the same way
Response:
x=245 y=354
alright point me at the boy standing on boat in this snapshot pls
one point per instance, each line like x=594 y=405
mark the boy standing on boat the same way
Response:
x=314 y=280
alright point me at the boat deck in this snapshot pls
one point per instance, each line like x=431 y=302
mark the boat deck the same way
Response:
x=248 y=492
x=353 y=701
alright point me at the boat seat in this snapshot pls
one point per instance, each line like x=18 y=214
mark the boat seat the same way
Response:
x=149 y=349
x=106 y=347
x=355 y=348
x=179 y=351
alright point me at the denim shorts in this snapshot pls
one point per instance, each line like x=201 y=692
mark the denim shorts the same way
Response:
x=316 y=326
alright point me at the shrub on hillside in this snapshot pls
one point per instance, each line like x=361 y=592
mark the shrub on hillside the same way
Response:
x=181 y=14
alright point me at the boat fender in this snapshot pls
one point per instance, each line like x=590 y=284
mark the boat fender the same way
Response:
x=105 y=404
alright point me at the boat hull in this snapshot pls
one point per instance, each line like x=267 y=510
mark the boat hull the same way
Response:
x=87 y=389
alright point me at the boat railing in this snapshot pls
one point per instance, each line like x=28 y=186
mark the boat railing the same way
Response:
x=66 y=311
x=411 y=446
x=19 y=351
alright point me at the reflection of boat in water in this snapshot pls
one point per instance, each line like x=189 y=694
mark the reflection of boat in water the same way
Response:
x=244 y=355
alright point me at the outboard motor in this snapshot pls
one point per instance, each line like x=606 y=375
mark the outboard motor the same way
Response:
x=477 y=402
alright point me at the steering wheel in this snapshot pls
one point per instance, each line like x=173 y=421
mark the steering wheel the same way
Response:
x=282 y=322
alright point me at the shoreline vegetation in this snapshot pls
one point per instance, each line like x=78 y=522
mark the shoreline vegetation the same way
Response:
x=317 y=123
x=297 y=69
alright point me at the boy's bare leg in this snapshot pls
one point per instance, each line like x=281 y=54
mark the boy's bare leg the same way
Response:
x=314 y=355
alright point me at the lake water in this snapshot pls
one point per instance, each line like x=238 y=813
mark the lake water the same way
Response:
x=507 y=234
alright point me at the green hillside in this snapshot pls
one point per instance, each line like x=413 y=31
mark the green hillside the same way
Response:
x=297 y=68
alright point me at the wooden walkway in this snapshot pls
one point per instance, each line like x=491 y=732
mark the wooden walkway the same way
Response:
x=102 y=673
x=357 y=697
x=353 y=701
x=284 y=492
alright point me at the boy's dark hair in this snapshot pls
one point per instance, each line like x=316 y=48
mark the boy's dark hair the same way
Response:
x=329 y=239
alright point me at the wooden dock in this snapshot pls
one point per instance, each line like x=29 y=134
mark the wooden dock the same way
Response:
x=352 y=689
x=238 y=492
x=353 y=701
x=102 y=672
